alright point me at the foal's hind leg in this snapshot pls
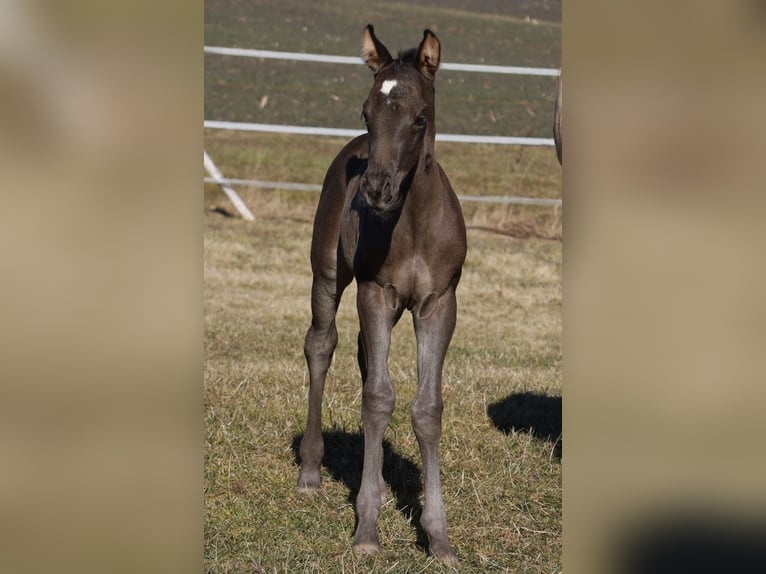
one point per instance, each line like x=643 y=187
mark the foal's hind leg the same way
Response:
x=434 y=324
x=321 y=339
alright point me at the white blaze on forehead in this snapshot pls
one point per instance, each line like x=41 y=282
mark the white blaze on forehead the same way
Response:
x=387 y=86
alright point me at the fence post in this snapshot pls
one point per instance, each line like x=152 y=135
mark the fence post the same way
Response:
x=217 y=176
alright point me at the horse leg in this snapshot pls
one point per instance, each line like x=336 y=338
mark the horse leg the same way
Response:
x=361 y=358
x=376 y=320
x=434 y=324
x=321 y=339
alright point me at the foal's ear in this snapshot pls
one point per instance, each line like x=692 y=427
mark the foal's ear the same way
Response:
x=429 y=54
x=374 y=53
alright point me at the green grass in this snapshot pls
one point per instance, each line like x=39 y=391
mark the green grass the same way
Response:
x=502 y=381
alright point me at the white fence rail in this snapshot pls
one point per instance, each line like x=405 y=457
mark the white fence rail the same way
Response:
x=356 y=60
x=320 y=131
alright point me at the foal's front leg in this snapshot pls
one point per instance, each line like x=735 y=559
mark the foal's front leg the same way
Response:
x=321 y=339
x=376 y=319
x=434 y=324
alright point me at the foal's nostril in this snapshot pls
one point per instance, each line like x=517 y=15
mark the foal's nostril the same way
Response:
x=368 y=188
x=377 y=188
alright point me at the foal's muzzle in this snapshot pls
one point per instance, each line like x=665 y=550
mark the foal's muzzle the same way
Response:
x=380 y=190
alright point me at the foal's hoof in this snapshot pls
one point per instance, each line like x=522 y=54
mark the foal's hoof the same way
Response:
x=309 y=490
x=445 y=554
x=366 y=549
x=449 y=559
x=309 y=482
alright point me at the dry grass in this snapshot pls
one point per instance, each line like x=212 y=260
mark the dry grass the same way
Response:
x=501 y=476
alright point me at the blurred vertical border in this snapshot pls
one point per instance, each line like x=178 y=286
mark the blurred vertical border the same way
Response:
x=664 y=283
x=101 y=257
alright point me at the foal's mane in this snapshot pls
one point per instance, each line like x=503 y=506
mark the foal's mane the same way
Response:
x=407 y=56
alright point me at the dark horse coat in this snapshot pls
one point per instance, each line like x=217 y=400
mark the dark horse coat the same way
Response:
x=388 y=217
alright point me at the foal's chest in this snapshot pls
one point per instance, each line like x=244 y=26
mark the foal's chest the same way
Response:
x=412 y=258
x=413 y=273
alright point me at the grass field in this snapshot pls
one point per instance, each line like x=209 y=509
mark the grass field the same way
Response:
x=501 y=469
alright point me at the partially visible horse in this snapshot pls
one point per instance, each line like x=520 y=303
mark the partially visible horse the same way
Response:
x=388 y=217
x=557 y=123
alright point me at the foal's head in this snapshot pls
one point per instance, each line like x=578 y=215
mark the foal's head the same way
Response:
x=399 y=114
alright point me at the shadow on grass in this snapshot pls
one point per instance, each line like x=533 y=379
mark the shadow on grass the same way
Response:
x=343 y=455
x=533 y=413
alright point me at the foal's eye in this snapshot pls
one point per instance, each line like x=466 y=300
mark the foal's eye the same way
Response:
x=420 y=121
x=365 y=119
